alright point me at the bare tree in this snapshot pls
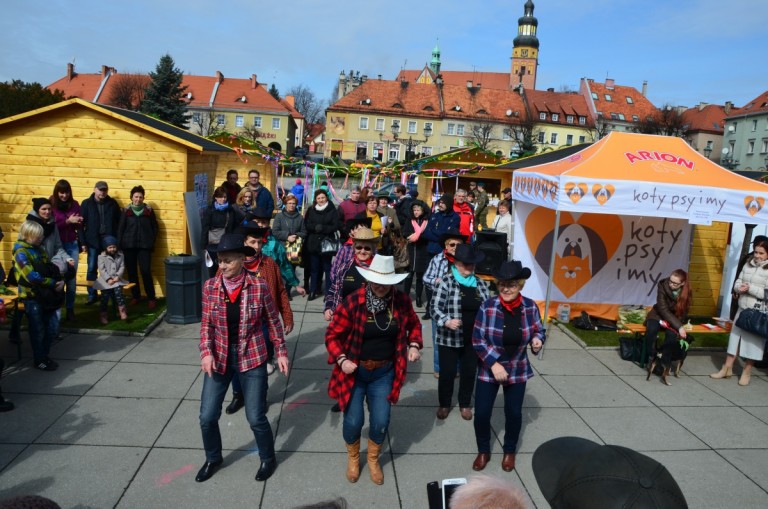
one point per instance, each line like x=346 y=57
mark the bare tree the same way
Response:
x=666 y=121
x=600 y=131
x=127 y=90
x=251 y=133
x=308 y=104
x=205 y=123
x=481 y=133
x=525 y=133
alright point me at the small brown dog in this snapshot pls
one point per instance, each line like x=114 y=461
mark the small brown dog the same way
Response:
x=671 y=353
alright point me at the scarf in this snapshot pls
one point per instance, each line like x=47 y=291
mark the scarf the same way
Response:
x=138 y=209
x=48 y=226
x=63 y=205
x=376 y=304
x=320 y=208
x=253 y=264
x=220 y=207
x=469 y=281
x=512 y=305
x=448 y=256
x=417 y=230
x=233 y=286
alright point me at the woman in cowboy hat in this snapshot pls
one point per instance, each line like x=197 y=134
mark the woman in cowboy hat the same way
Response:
x=235 y=305
x=454 y=307
x=504 y=327
x=374 y=332
x=345 y=278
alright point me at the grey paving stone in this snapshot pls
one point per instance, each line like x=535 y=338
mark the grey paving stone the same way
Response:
x=684 y=391
x=542 y=424
x=611 y=360
x=596 y=391
x=568 y=362
x=159 y=350
x=558 y=340
x=73 y=475
x=311 y=428
x=73 y=377
x=416 y=430
x=524 y=470
x=308 y=386
x=137 y=380
x=167 y=330
x=722 y=427
x=8 y=452
x=751 y=462
x=111 y=421
x=703 y=363
x=167 y=479
x=760 y=412
x=754 y=394
x=623 y=426
x=85 y=347
x=311 y=356
x=538 y=393
x=32 y=415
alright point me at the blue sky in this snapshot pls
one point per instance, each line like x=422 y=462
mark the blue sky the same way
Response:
x=688 y=50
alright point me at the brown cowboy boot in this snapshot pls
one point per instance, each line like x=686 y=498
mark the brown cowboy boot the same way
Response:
x=353 y=461
x=374 y=449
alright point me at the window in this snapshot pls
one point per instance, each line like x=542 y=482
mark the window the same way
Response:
x=394 y=151
x=630 y=101
x=428 y=127
x=614 y=116
x=362 y=151
x=426 y=151
x=460 y=130
x=542 y=116
x=582 y=139
x=555 y=117
x=451 y=129
x=257 y=122
x=395 y=127
x=608 y=97
x=754 y=125
x=595 y=97
x=379 y=125
x=196 y=118
x=378 y=149
x=569 y=119
x=621 y=116
x=751 y=147
x=569 y=139
x=762 y=151
x=220 y=120
x=541 y=136
x=582 y=120
x=364 y=123
x=506 y=134
x=635 y=118
x=411 y=126
x=238 y=121
x=553 y=138
x=275 y=123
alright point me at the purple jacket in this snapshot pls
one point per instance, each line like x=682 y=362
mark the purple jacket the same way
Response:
x=67 y=231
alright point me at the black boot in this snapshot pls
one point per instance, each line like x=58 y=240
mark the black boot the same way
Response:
x=70 y=315
x=237 y=403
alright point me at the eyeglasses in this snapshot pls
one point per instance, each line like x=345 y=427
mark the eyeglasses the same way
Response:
x=363 y=248
x=252 y=177
x=508 y=286
x=453 y=244
x=676 y=283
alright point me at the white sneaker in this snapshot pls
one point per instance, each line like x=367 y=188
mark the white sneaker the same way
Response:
x=270 y=368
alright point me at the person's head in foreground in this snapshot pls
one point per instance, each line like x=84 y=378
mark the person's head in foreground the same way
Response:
x=488 y=492
x=575 y=473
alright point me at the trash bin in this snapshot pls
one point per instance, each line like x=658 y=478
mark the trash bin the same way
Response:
x=183 y=289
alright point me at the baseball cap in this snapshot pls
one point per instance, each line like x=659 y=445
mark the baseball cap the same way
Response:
x=101 y=185
x=507 y=190
x=575 y=473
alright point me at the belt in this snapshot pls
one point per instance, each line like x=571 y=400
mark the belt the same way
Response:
x=371 y=365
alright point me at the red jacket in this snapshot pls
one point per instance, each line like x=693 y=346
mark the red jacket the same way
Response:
x=345 y=336
x=467 y=218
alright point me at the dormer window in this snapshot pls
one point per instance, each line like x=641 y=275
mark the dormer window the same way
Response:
x=398 y=105
x=542 y=116
x=630 y=101
x=555 y=117
x=429 y=108
x=595 y=96
x=482 y=112
x=608 y=97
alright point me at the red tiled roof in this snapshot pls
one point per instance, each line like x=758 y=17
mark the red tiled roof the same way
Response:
x=82 y=86
x=639 y=105
x=562 y=103
x=710 y=118
x=493 y=80
x=288 y=106
x=758 y=105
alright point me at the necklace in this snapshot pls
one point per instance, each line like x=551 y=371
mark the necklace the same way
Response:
x=390 y=313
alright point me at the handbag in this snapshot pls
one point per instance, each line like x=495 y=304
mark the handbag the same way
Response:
x=400 y=252
x=293 y=251
x=754 y=320
x=630 y=348
x=330 y=245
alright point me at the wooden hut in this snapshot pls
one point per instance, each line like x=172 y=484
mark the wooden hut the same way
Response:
x=83 y=143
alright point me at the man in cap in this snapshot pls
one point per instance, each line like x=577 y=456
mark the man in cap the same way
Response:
x=443 y=219
x=101 y=216
x=507 y=193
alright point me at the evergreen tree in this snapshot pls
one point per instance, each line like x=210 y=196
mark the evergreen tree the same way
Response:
x=162 y=99
x=274 y=92
x=18 y=97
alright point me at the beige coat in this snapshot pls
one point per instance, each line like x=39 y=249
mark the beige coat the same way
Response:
x=747 y=344
x=110 y=267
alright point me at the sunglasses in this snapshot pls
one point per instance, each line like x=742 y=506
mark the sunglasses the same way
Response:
x=363 y=248
x=453 y=244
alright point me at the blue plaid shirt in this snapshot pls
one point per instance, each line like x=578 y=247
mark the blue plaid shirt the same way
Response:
x=436 y=270
x=446 y=305
x=489 y=343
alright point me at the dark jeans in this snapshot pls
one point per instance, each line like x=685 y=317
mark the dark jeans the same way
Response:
x=485 y=396
x=374 y=386
x=135 y=260
x=72 y=250
x=42 y=329
x=236 y=387
x=320 y=264
x=467 y=369
x=254 y=384
x=408 y=281
x=652 y=328
x=92 y=273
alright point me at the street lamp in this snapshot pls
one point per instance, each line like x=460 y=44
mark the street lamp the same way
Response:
x=409 y=143
x=707 y=151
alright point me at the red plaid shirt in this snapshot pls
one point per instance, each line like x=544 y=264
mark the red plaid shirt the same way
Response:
x=270 y=272
x=344 y=335
x=256 y=306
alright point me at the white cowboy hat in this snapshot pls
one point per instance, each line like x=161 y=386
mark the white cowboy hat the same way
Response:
x=382 y=271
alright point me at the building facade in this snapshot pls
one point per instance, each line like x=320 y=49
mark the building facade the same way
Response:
x=745 y=139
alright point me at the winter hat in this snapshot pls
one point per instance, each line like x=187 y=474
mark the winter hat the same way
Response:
x=298 y=181
x=447 y=198
x=109 y=240
x=39 y=202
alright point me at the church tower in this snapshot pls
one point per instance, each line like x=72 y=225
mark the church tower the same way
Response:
x=435 y=63
x=525 y=50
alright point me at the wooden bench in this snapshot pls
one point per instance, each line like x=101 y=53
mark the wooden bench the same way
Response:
x=638 y=329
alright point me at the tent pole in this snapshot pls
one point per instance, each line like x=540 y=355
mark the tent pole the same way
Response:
x=547 y=321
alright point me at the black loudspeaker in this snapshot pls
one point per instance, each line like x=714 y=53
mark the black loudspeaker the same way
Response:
x=494 y=245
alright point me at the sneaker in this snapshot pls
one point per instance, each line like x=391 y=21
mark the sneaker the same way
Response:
x=270 y=368
x=45 y=366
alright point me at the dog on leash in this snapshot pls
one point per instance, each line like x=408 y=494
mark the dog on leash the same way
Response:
x=672 y=352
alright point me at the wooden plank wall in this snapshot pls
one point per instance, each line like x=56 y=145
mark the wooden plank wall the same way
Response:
x=706 y=267
x=82 y=146
x=230 y=161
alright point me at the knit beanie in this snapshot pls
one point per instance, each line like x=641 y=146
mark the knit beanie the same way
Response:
x=39 y=202
x=109 y=240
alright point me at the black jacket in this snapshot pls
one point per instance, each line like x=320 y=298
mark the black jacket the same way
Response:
x=320 y=224
x=137 y=232
x=418 y=257
x=92 y=230
x=228 y=219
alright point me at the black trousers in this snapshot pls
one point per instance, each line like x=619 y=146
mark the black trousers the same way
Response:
x=467 y=359
x=140 y=259
x=652 y=328
x=408 y=281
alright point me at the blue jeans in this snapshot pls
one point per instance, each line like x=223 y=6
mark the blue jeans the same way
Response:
x=376 y=385
x=73 y=251
x=42 y=329
x=254 y=384
x=236 y=387
x=485 y=395
x=92 y=274
x=435 y=356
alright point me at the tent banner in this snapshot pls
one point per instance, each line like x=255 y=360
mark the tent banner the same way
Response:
x=599 y=258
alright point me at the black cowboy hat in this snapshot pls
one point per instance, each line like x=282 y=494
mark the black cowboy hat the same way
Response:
x=233 y=243
x=511 y=270
x=260 y=213
x=466 y=253
x=452 y=233
x=253 y=230
x=358 y=221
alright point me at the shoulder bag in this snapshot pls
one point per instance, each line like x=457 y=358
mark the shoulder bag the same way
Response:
x=293 y=251
x=330 y=244
x=754 y=320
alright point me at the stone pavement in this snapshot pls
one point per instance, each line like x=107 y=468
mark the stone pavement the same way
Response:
x=116 y=426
